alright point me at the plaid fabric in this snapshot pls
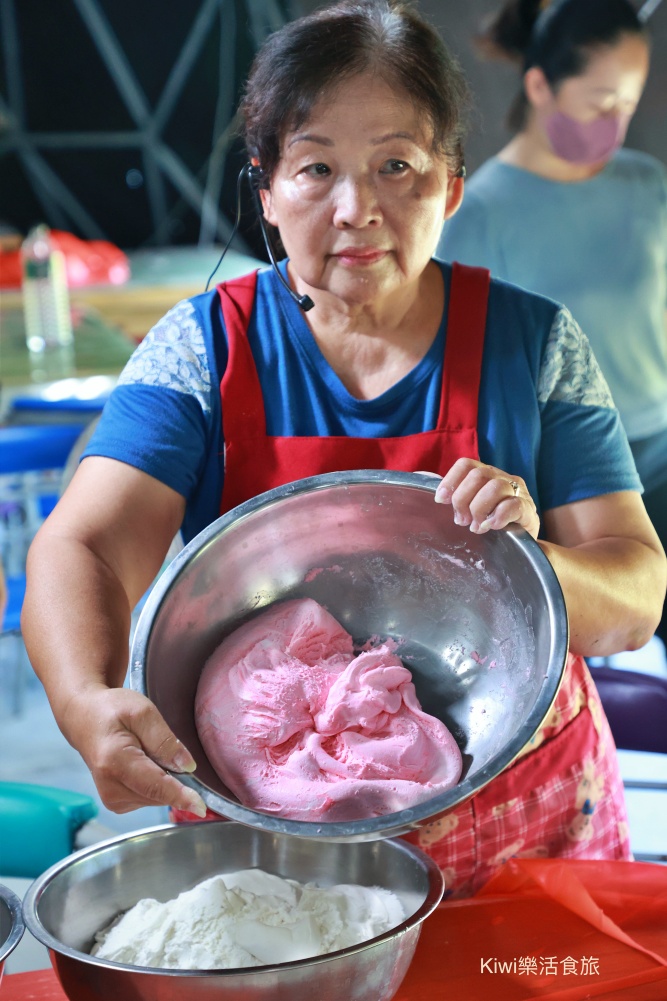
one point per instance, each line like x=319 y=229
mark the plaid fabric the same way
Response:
x=562 y=797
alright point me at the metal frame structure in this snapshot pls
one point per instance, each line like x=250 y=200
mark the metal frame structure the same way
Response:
x=647 y=9
x=60 y=204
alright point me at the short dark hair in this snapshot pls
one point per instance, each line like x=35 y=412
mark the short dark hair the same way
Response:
x=315 y=53
x=560 y=37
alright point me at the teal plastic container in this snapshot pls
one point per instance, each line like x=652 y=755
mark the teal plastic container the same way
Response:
x=38 y=825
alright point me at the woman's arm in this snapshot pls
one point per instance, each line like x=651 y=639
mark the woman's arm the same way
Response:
x=605 y=551
x=89 y=564
x=611 y=566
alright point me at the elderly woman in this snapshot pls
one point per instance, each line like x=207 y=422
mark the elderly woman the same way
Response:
x=353 y=121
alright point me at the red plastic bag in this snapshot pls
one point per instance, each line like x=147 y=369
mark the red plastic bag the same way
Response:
x=559 y=930
x=87 y=262
x=91 y=262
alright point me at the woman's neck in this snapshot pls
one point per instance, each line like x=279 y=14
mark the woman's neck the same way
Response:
x=372 y=347
x=530 y=150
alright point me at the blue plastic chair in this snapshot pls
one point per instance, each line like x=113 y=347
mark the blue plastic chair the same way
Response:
x=10 y=632
x=636 y=707
x=36 y=447
x=38 y=410
x=11 y=621
x=32 y=459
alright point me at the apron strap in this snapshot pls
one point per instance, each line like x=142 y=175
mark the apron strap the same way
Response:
x=240 y=386
x=464 y=347
x=464 y=350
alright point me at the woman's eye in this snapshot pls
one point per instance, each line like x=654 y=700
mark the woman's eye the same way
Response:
x=394 y=167
x=317 y=169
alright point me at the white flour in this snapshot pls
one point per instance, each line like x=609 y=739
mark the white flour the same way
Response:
x=247 y=918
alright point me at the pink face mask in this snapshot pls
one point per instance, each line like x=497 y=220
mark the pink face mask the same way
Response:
x=586 y=142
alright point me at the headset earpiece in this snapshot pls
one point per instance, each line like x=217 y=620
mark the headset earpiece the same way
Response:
x=255 y=174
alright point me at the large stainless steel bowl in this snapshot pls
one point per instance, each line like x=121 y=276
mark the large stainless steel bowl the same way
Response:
x=11 y=924
x=69 y=903
x=480 y=620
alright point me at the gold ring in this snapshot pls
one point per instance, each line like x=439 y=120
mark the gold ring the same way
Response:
x=515 y=487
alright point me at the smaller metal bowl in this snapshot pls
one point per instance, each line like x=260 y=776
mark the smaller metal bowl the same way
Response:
x=11 y=924
x=75 y=898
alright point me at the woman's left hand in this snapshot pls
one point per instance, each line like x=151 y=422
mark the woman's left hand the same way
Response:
x=484 y=498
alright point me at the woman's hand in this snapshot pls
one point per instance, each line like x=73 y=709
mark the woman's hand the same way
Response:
x=89 y=564
x=128 y=747
x=485 y=498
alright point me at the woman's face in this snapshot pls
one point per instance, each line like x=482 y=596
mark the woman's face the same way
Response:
x=611 y=84
x=359 y=196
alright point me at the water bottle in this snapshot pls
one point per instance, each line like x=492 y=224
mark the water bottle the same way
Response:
x=48 y=321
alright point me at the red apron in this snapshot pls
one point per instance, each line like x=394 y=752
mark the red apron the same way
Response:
x=255 y=461
x=565 y=798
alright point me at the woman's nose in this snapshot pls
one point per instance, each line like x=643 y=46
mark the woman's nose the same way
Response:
x=356 y=204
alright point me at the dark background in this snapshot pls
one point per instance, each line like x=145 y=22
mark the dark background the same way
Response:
x=54 y=84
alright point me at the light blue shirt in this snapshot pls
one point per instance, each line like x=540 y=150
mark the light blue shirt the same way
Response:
x=598 y=246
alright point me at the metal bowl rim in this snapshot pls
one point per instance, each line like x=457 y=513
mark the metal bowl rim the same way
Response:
x=393 y=823
x=18 y=924
x=436 y=888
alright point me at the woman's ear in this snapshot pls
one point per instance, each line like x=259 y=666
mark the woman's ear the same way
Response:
x=455 y=187
x=267 y=205
x=264 y=194
x=536 y=88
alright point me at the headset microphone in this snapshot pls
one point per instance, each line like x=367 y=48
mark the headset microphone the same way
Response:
x=254 y=176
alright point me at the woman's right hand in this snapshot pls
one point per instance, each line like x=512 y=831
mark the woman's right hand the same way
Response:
x=484 y=497
x=128 y=748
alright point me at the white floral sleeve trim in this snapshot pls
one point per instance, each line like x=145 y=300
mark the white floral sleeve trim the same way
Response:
x=173 y=356
x=570 y=372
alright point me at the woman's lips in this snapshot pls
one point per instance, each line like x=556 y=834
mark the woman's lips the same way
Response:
x=356 y=256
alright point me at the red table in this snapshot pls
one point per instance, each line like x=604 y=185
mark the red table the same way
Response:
x=592 y=930
x=39 y=986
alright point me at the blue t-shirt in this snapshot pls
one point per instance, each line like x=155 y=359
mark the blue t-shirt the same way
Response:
x=545 y=412
x=600 y=247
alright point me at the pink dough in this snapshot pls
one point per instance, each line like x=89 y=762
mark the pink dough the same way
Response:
x=295 y=724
